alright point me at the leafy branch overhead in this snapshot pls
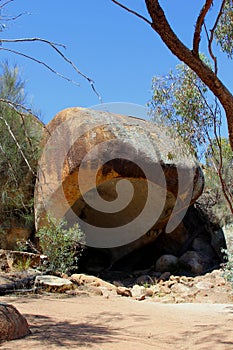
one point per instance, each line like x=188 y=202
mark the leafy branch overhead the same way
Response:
x=181 y=100
x=221 y=31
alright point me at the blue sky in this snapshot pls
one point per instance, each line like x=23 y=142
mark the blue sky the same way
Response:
x=120 y=52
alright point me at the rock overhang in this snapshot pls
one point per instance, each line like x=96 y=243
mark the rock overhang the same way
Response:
x=88 y=153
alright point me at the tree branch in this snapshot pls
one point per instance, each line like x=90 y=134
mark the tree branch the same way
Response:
x=15 y=105
x=54 y=46
x=131 y=11
x=7 y=19
x=162 y=27
x=211 y=38
x=5 y=3
x=19 y=40
x=198 y=26
x=42 y=63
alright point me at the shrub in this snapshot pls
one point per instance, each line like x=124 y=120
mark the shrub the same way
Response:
x=228 y=268
x=62 y=246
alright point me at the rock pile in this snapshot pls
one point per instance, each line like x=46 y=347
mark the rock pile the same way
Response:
x=140 y=285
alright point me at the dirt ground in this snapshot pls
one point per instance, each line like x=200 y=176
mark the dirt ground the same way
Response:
x=95 y=322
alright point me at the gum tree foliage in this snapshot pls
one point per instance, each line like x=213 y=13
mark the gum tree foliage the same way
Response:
x=180 y=99
x=221 y=31
x=183 y=101
x=19 y=149
x=216 y=160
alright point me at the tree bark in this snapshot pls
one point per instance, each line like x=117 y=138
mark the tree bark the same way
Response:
x=192 y=59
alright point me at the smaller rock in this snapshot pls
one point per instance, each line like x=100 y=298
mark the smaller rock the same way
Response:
x=194 y=261
x=149 y=292
x=82 y=279
x=179 y=288
x=165 y=290
x=144 y=280
x=166 y=262
x=165 y=276
x=204 y=285
x=124 y=292
x=53 y=284
x=138 y=292
x=12 y=324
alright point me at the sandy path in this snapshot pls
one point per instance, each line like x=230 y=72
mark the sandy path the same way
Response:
x=120 y=323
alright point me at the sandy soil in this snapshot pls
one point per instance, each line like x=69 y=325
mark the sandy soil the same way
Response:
x=119 y=323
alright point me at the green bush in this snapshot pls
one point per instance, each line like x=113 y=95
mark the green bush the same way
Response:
x=62 y=246
x=228 y=267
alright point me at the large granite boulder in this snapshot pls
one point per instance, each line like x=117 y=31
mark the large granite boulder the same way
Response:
x=120 y=177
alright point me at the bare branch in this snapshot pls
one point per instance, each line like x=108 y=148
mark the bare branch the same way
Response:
x=42 y=63
x=15 y=105
x=54 y=47
x=198 y=26
x=211 y=38
x=5 y=3
x=19 y=40
x=15 y=17
x=131 y=11
x=18 y=108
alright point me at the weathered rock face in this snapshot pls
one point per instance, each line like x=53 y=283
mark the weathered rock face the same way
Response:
x=88 y=157
x=12 y=324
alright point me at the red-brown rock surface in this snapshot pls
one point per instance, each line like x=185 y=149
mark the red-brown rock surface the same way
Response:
x=12 y=324
x=87 y=153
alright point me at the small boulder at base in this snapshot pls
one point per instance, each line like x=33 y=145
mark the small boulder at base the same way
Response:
x=166 y=262
x=12 y=324
x=82 y=280
x=53 y=283
x=138 y=292
x=194 y=261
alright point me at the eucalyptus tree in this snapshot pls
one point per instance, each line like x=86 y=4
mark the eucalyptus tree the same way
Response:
x=180 y=99
x=220 y=31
